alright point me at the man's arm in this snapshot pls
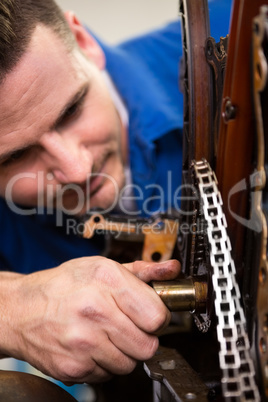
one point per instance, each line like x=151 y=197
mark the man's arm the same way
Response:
x=84 y=320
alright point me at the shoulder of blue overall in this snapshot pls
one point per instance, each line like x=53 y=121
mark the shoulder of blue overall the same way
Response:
x=30 y=243
x=145 y=72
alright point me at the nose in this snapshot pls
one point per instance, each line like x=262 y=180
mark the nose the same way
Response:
x=67 y=159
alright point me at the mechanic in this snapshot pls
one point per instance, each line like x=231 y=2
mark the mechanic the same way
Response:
x=83 y=125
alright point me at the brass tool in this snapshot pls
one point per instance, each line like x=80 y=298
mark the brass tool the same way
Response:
x=186 y=294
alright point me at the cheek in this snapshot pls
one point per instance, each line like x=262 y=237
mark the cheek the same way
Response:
x=24 y=188
x=101 y=120
x=22 y=181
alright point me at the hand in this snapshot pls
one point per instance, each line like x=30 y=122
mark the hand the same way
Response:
x=86 y=319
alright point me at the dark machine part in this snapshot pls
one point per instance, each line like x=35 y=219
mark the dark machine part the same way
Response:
x=24 y=387
x=216 y=54
x=198 y=142
x=255 y=283
x=243 y=126
x=197 y=124
x=174 y=379
x=237 y=130
x=152 y=239
x=198 y=112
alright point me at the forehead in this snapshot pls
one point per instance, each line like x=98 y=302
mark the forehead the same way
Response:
x=34 y=92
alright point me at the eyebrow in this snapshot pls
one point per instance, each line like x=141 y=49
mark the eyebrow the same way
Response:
x=78 y=96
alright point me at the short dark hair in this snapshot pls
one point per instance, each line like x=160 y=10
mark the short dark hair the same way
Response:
x=18 y=19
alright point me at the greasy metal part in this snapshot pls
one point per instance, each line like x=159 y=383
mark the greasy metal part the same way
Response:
x=260 y=96
x=183 y=295
x=197 y=113
x=237 y=126
x=159 y=235
x=104 y=223
x=174 y=380
x=228 y=110
x=24 y=387
x=160 y=240
x=216 y=54
x=197 y=254
x=238 y=382
x=198 y=120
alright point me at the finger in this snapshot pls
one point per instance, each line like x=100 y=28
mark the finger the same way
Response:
x=110 y=358
x=131 y=340
x=157 y=271
x=117 y=329
x=142 y=305
x=103 y=359
x=99 y=374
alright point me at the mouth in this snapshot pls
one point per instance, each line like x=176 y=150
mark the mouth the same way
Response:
x=93 y=184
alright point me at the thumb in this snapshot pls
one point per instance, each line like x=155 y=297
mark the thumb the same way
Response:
x=154 y=271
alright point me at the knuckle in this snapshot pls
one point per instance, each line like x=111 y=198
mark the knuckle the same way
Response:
x=93 y=313
x=79 y=341
x=93 y=309
x=151 y=348
x=75 y=371
x=108 y=272
x=127 y=366
x=158 y=320
x=130 y=367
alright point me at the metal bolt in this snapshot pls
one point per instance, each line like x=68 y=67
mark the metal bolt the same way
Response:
x=190 y=395
x=167 y=364
x=229 y=110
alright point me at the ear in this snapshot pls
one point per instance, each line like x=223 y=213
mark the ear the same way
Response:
x=85 y=40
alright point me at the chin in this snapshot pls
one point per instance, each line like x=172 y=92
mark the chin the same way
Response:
x=105 y=201
x=107 y=196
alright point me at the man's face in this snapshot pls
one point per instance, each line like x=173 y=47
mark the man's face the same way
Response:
x=60 y=134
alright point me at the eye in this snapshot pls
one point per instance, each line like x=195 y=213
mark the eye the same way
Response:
x=72 y=111
x=16 y=156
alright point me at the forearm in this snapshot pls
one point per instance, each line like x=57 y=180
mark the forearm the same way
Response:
x=9 y=285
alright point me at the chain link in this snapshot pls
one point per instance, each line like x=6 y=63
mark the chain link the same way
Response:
x=238 y=382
